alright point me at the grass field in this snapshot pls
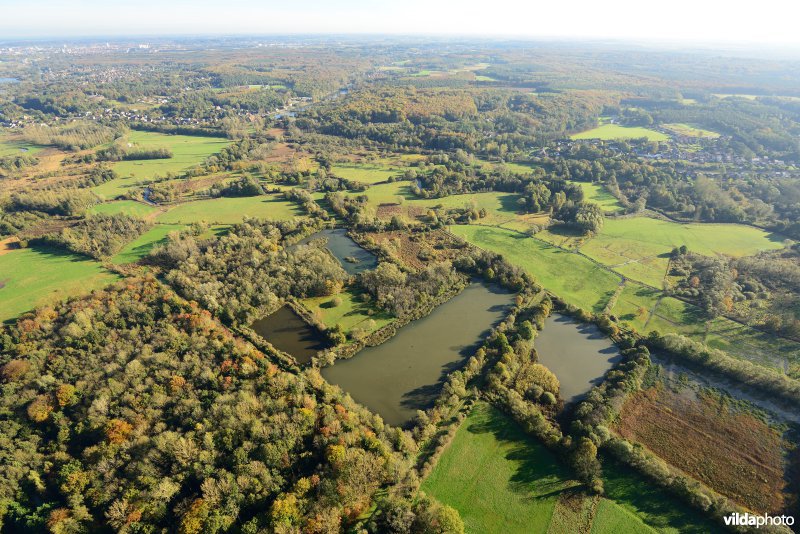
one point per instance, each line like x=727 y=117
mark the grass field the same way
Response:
x=16 y=147
x=500 y=480
x=688 y=130
x=127 y=207
x=140 y=247
x=572 y=277
x=230 y=210
x=639 y=247
x=635 y=304
x=615 y=131
x=503 y=481
x=350 y=314
x=187 y=151
x=598 y=194
x=628 y=491
x=33 y=277
x=367 y=173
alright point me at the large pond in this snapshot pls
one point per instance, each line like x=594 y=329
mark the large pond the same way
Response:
x=353 y=258
x=406 y=373
x=289 y=333
x=579 y=354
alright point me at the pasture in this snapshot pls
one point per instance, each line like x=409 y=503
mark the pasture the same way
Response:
x=367 y=173
x=125 y=207
x=639 y=247
x=12 y=146
x=140 y=247
x=609 y=132
x=598 y=194
x=33 y=277
x=499 y=479
x=631 y=495
x=187 y=151
x=351 y=314
x=573 y=278
x=503 y=481
x=230 y=210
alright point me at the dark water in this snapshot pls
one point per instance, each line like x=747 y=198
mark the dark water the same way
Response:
x=405 y=374
x=342 y=247
x=289 y=333
x=579 y=354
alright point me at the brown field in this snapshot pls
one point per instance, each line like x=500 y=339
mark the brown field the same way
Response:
x=734 y=453
x=9 y=244
x=417 y=250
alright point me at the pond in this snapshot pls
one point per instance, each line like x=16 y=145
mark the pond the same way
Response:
x=579 y=354
x=289 y=333
x=9 y=80
x=353 y=258
x=406 y=373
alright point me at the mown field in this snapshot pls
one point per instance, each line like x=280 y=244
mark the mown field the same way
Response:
x=503 y=481
x=230 y=210
x=639 y=247
x=572 y=277
x=367 y=173
x=350 y=314
x=33 y=277
x=500 y=480
x=126 y=207
x=615 y=131
x=598 y=194
x=187 y=151
x=140 y=247
x=11 y=146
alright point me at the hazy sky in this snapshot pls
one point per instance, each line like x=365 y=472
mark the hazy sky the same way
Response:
x=764 y=21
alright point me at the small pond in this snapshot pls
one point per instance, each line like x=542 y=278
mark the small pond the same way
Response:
x=579 y=354
x=353 y=258
x=289 y=333
x=406 y=373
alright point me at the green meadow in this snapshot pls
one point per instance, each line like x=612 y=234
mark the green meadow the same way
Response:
x=33 y=277
x=598 y=194
x=610 y=132
x=630 y=498
x=16 y=147
x=367 y=173
x=126 y=207
x=570 y=276
x=187 y=151
x=503 y=481
x=140 y=247
x=499 y=479
x=350 y=314
x=639 y=247
x=231 y=210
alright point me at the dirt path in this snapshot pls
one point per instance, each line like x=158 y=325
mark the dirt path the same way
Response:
x=9 y=244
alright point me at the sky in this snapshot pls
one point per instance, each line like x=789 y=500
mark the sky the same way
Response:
x=770 y=22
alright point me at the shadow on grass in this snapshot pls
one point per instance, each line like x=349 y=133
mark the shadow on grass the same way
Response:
x=539 y=475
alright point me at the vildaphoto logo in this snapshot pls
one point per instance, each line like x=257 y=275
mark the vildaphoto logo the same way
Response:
x=758 y=521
